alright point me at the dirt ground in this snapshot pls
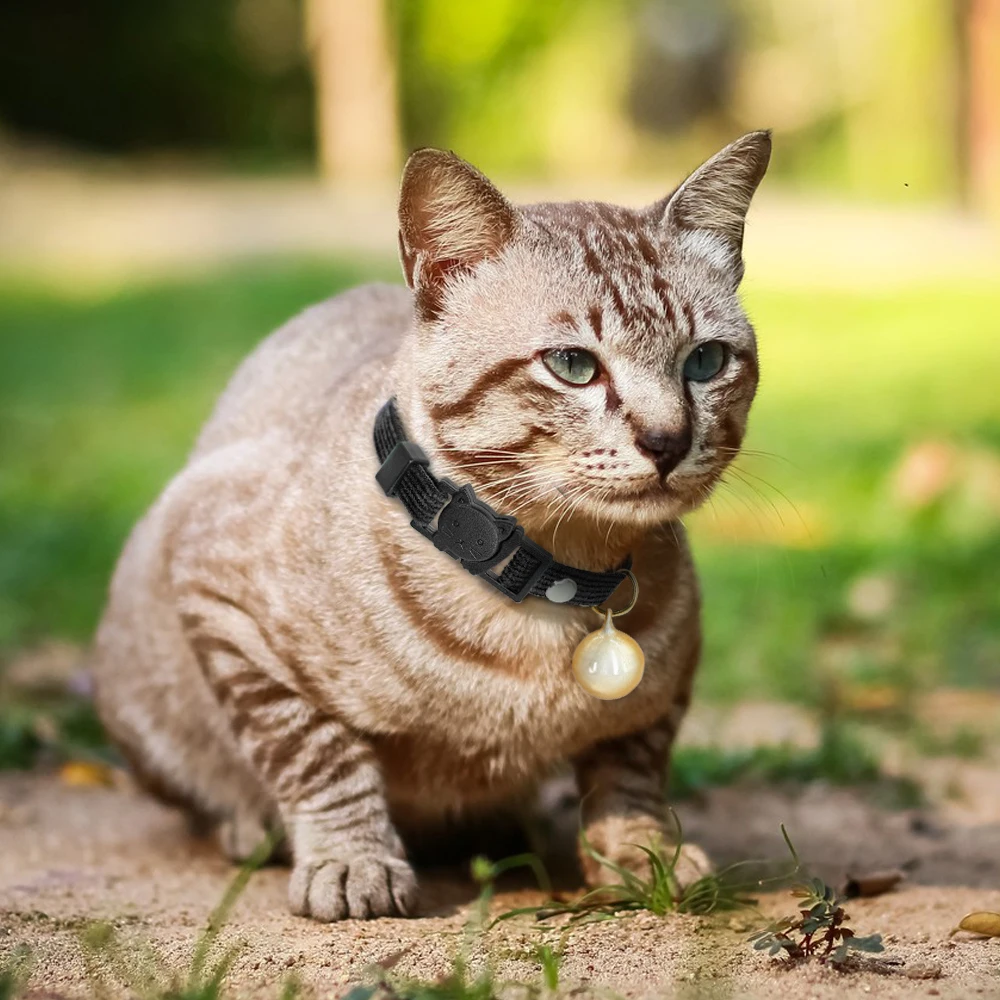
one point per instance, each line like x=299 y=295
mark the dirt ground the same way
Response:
x=71 y=855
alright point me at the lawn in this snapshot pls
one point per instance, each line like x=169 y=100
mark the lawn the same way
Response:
x=858 y=552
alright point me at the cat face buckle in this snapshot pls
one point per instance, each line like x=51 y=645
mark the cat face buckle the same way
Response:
x=472 y=532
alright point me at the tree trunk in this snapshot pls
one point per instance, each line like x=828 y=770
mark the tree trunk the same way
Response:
x=983 y=42
x=356 y=110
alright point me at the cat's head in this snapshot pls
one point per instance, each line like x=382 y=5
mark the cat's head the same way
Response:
x=582 y=358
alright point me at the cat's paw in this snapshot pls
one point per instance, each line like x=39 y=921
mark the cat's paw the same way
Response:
x=365 y=886
x=240 y=837
x=619 y=838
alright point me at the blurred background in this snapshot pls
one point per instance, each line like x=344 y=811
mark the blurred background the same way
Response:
x=177 y=177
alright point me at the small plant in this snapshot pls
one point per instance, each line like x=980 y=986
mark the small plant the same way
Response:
x=660 y=892
x=14 y=972
x=149 y=977
x=820 y=931
x=459 y=983
x=550 y=960
x=840 y=758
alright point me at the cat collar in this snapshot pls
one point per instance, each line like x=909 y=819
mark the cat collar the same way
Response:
x=471 y=531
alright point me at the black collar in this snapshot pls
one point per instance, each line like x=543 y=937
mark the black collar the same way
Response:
x=472 y=532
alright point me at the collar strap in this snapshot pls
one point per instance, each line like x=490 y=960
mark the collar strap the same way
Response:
x=471 y=531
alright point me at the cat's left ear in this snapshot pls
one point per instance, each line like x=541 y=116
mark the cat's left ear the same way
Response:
x=708 y=211
x=451 y=218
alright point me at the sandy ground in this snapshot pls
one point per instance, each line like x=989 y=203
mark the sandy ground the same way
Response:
x=69 y=856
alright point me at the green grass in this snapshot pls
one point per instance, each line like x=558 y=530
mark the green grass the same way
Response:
x=841 y=757
x=100 y=400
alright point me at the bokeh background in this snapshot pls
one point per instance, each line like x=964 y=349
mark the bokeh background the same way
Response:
x=177 y=177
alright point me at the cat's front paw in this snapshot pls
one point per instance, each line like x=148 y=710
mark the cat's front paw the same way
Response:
x=619 y=838
x=365 y=886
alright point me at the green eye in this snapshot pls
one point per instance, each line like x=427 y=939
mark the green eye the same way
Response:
x=705 y=361
x=571 y=365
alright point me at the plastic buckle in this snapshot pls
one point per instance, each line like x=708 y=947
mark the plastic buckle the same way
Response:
x=471 y=531
x=397 y=463
x=540 y=555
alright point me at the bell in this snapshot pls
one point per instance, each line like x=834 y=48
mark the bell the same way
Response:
x=608 y=664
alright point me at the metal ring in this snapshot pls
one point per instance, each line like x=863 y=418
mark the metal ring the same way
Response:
x=631 y=604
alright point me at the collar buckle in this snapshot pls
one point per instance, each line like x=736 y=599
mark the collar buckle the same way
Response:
x=471 y=531
x=399 y=461
x=543 y=560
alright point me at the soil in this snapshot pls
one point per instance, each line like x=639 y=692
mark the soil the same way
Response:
x=73 y=855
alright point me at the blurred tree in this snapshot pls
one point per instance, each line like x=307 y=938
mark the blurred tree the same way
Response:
x=125 y=76
x=982 y=41
x=683 y=63
x=356 y=121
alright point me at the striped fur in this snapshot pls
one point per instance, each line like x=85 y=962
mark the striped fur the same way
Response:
x=281 y=650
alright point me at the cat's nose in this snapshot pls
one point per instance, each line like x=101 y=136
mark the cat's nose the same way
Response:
x=666 y=447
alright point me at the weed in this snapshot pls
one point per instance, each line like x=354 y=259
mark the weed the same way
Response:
x=460 y=983
x=140 y=967
x=550 y=961
x=840 y=758
x=963 y=742
x=49 y=729
x=820 y=931
x=659 y=893
x=14 y=972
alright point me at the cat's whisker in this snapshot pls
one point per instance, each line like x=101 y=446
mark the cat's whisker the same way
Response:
x=754 y=453
x=524 y=474
x=492 y=464
x=574 y=504
x=757 y=494
x=526 y=496
x=726 y=488
x=784 y=496
x=521 y=486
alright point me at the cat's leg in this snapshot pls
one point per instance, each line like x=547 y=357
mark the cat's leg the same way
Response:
x=348 y=860
x=622 y=784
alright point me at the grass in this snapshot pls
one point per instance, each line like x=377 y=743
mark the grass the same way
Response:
x=841 y=757
x=14 y=973
x=100 y=400
x=139 y=967
x=659 y=892
x=51 y=729
x=147 y=975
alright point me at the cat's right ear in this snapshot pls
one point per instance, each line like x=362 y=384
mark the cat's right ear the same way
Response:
x=450 y=219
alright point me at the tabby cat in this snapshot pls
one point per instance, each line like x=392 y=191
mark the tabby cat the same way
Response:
x=282 y=650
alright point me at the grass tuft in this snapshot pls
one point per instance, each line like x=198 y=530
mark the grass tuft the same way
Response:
x=840 y=758
x=148 y=976
x=660 y=893
x=14 y=972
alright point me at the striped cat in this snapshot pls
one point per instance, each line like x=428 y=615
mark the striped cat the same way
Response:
x=281 y=648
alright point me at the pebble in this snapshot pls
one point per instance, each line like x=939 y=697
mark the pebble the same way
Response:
x=923 y=970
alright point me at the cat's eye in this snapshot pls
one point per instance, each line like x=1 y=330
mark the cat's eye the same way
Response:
x=705 y=361
x=571 y=365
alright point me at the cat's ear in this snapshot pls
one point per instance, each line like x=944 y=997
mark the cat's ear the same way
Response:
x=708 y=211
x=450 y=219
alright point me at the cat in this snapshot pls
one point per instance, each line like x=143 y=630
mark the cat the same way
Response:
x=281 y=650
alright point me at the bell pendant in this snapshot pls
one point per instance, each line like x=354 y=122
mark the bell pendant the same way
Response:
x=608 y=664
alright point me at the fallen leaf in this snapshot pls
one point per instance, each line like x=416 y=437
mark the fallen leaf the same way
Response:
x=872 y=883
x=981 y=922
x=85 y=774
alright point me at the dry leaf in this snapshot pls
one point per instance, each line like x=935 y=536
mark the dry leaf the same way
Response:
x=85 y=774
x=872 y=883
x=981 y=922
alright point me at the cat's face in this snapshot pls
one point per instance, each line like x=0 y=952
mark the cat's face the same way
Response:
x=583 y=360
